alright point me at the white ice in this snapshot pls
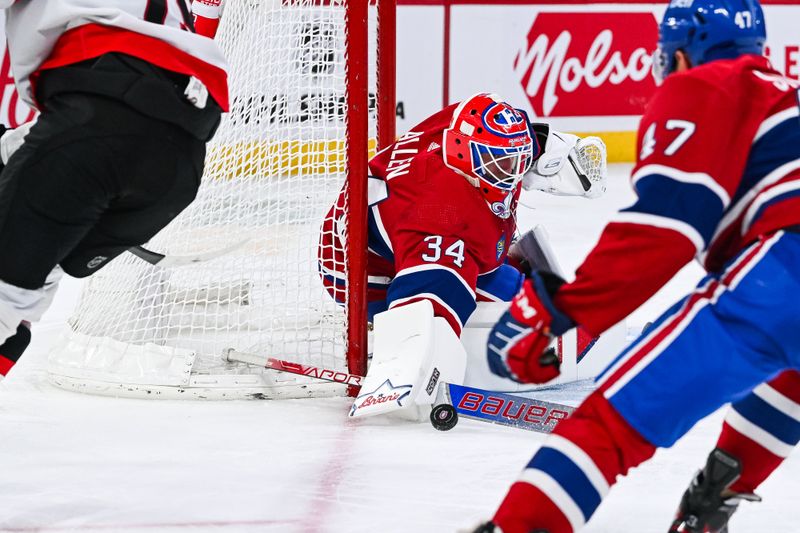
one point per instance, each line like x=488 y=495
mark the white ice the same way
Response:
x=73 y=462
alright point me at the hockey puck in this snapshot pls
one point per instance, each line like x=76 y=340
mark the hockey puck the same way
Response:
x=444 y=417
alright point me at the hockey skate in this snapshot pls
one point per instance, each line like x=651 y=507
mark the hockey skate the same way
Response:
x=707 y=505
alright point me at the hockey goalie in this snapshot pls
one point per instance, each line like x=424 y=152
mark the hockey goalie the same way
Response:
x=442 y=226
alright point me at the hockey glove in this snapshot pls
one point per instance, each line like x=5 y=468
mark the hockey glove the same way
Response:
x=569 y=166
x=517 y=345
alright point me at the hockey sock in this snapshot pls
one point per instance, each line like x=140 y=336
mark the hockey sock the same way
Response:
x=12 y=348
x=762 y=429
x=568 y=477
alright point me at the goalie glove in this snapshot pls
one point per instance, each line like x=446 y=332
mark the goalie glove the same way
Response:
x=569 y=166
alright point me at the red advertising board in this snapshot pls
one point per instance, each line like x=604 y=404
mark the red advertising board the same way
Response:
x=579 y=64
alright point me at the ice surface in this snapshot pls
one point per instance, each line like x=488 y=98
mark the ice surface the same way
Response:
x=72 y=462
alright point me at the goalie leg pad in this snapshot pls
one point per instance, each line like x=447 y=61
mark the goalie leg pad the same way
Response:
x=413 y=352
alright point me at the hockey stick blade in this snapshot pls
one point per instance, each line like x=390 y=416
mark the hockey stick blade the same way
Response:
x=507 y=409
x=324 y=374
x=172 y=261
x=469 y=402
x=537 y=254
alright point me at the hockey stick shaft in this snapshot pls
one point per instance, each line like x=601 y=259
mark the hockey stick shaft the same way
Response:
x=470 y=402
x=172 y=261
x=325 y=374
x=143 y=253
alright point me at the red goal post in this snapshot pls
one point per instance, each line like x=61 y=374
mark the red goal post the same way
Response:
x=358 y=93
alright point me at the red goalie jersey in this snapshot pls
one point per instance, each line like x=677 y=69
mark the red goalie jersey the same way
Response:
x=432 y=233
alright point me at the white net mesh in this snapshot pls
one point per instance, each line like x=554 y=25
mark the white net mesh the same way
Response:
x=273 y=169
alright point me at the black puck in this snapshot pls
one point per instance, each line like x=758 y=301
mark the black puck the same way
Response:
x=444 y=417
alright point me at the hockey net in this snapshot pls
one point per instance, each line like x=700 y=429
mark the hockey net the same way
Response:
x=297 y=131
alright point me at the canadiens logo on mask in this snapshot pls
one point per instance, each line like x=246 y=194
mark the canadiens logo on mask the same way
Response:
x=490 y=143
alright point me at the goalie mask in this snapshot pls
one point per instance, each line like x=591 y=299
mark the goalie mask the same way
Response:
x=490 y=143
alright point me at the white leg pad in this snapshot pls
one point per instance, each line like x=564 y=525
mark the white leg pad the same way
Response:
x=413 y=352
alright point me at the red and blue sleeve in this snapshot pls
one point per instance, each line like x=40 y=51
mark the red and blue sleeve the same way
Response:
x=499 y=285
x=689 y=167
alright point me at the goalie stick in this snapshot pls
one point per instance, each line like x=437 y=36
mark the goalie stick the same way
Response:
x=452 y=400
x=293 y=368
x=534 y=252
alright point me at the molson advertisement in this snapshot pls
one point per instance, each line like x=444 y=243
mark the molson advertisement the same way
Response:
x=587 y=64
x=582 y=66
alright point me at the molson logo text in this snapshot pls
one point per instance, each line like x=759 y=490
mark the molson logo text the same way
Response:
x=13 y=111
x=585 y=64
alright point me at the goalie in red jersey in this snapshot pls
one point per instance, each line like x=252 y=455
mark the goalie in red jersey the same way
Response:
x=442 y=202
x=718 y=179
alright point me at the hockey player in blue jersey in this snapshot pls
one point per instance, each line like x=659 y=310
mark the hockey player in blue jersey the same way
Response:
x=717 y=179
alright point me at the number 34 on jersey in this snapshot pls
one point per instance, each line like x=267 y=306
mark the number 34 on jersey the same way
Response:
x=437 y=249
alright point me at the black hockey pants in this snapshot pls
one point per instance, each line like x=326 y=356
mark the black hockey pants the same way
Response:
x=99 y=173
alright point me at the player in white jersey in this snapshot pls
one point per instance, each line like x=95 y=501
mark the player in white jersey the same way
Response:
x=128 y=96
